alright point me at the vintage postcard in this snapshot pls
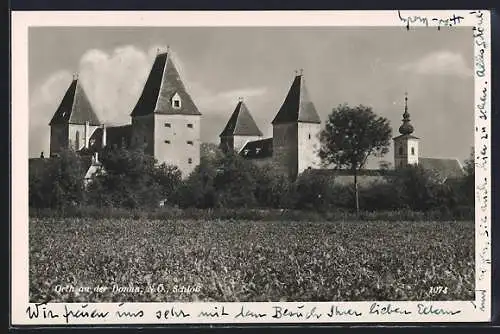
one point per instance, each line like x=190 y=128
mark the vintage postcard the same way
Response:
x=251 y=167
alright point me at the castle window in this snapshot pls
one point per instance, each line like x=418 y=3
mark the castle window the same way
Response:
x=190 y=142
x=190 y=161
x=413 y=151
x=77 y=140
x=167 y=141
x=190 y=125
x=400 y=150
x=176 y=101
x=167 y=125
x=309 y=136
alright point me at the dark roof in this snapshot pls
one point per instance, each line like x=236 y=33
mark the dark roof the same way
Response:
x=118 y=135
x=408 y=136
x=241 y=123
x=95 y=141
x=162 y=84
x=297 y=106
x=446 y=168
x=258 y=149
x=75 y=107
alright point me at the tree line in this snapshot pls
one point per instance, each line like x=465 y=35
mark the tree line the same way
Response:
x=135 y=180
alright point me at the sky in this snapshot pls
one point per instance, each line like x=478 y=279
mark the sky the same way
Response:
x=369 y=66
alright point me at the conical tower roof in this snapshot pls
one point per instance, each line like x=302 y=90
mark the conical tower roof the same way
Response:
x=241 y=123
x=297 y=106
x=75 y=107
x=162 y=85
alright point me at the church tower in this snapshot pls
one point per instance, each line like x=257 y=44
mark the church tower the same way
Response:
x=296 y=129
x=165 y=120
x=240 y=129
x=405 y=145
x=74 y=121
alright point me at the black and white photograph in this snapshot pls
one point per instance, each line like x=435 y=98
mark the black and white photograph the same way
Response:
x=244 y=164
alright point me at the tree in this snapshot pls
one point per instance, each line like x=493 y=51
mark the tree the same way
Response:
x=130 y=180
x=350 y=136
x=234 y=182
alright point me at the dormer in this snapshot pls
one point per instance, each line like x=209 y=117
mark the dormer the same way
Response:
x=176 y=101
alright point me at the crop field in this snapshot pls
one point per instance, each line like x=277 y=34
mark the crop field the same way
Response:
x=119 y=260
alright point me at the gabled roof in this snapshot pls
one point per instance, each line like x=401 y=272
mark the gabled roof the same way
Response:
x=75 y=107
x=445 y=168
x=297 y=106
x=258 y=149
x=162 y=84
x=241 y=123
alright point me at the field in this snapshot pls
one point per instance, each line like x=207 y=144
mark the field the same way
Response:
x=152 y=260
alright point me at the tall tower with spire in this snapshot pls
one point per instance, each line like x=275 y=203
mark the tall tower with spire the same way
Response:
x=296 y=129
x=405 y=145
x=240 y=129
x=74 y=121
x=165 y=120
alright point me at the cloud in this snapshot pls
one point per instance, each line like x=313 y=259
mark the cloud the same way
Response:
x=440 y=63
x=221 y=101
x=43 y=103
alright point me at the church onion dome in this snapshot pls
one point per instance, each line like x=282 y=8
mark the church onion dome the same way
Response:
x=406 y=128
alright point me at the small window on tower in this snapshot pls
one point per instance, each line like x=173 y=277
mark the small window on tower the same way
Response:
x=413 y=151
x=176 y=101
x=190 y=142
x=190 y=161
x=400 y=150
x=167 y=141
x=190 y=125
x=309 y=136
x=167 y=125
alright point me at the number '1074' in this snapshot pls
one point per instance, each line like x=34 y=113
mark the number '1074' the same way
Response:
x=434 y=290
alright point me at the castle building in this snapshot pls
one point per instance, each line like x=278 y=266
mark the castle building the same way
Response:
x=166 y=124
x=165 y=121
x=240 y=129
x=294 y=145
x=74 y=120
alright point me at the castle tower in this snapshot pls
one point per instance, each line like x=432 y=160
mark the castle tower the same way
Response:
x=405 y=145
x=165 y=120
x=296 y=129
x=240 y=129
x=74 y=120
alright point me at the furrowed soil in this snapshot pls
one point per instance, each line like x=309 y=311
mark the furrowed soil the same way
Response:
x=119 y=260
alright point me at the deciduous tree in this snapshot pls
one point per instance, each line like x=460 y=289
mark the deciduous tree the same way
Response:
x=350 y=136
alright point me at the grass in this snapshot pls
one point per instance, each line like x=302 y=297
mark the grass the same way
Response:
x=237 y=260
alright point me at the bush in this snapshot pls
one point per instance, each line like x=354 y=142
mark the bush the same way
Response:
x=57 y=182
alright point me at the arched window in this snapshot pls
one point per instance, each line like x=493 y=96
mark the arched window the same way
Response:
x=77 y=140
x=413 y=151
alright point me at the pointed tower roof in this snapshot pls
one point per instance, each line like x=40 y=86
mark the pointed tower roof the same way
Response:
x=162 y=85
x=297 y=106
x=241 y=123
x=406 y=129
x=75 y=107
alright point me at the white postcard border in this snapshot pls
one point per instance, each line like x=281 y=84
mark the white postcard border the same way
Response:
x=170 y=313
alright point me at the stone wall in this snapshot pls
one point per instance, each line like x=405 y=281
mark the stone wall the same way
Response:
x=177 y=141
